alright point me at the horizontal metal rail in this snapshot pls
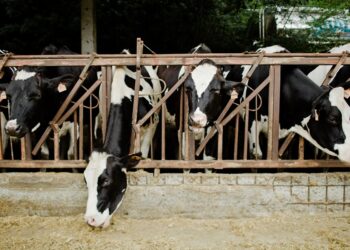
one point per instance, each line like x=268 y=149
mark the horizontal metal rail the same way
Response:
x=190 y=164
x=176 y=59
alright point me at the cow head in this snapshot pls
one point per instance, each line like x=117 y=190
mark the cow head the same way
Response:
x=26 y=94
x=207 y=93
x=329 y=123
x=106 y=181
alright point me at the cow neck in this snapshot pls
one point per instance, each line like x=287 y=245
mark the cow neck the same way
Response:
x=302 y=92
x=119 y=128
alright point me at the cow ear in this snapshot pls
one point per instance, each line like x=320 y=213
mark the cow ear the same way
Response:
x=234 y=89
x=61 y=83
x=131 y=160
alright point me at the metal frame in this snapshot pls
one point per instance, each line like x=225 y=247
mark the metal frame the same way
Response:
x=139 y=59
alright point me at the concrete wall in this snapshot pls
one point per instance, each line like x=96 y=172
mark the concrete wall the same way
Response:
x=188 y=195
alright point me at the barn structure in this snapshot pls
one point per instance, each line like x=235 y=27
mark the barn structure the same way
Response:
x=217 y=188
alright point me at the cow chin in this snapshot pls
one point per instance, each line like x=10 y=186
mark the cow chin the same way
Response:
x=197 y=130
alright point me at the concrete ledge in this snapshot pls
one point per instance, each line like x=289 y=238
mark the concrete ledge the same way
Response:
x=187 y=195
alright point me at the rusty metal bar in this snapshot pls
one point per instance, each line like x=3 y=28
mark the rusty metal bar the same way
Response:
x=91 y=128
x=274 y=108
x=242 y=164
x=23 y=148
x=176 y=164
x=232 y=114
x=181 y=122
x=220 y=130
x=286 y=143
x=56 y=145
x=4 y=60
x=75 y=139
x=235 y=147
x=79 y=102
x=109 y=86
x=65 y=104
x=28 y=146
x=103 y=102
x=136 y=129
x=163 y=130
x=301 y=148
x=335 y=70
x=246 y=131
x=177 y=59
x=81 y=131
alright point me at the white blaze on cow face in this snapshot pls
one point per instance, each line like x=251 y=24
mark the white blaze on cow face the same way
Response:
x=336 y=97
x=97 y=164
x=202 y=76
x=24 y=75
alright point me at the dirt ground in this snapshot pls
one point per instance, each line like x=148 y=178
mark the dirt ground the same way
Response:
x=279 y=231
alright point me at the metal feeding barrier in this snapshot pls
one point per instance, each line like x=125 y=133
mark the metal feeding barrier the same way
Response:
x=188 y=149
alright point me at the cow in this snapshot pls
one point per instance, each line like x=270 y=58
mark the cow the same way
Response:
x=207 y=93
x=36 y=94
x=105 y=173
x=320 y=116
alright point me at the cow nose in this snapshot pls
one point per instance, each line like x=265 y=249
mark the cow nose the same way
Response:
x=198 y=120
x=90 y=220
x=12 y=128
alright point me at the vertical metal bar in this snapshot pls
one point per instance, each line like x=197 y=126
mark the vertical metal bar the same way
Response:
x=28 y=146
x=139 y=50
x=103 y=102
x=220 y=140
x=81 y=131
x=163 y=130
x=23 y=149
x=75 y=148
x=181 y=125
x=91 y=128
x=274 y=108
x=56 y=145
x=235 y=148
x=301 y=148
x=246 y=130
x=109 y=85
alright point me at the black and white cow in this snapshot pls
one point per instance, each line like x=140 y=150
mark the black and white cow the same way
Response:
x=36 y=94
x=105 y=174
x=321 y=117
x=207 y=93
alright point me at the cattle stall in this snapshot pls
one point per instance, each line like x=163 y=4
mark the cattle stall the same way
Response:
x=176 y=198
x=188 y=151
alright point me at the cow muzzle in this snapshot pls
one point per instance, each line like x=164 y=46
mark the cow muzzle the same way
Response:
x=95 y=222
x=14 y=129
x=197 y=122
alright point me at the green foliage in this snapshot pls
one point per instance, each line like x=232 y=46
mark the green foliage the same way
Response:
x=166 y=26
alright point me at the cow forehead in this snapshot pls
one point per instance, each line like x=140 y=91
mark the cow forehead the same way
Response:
x=202 y=75
x=336 y=98
x=23 y=74
x=97 y=164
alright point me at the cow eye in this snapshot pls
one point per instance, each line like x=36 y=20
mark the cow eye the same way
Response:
x=106 y=183
x=216 y=91
x=34 y=96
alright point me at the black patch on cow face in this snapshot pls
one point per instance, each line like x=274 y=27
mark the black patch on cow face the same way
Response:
x=25 y=101
x=111 y=186
x=326 y=124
